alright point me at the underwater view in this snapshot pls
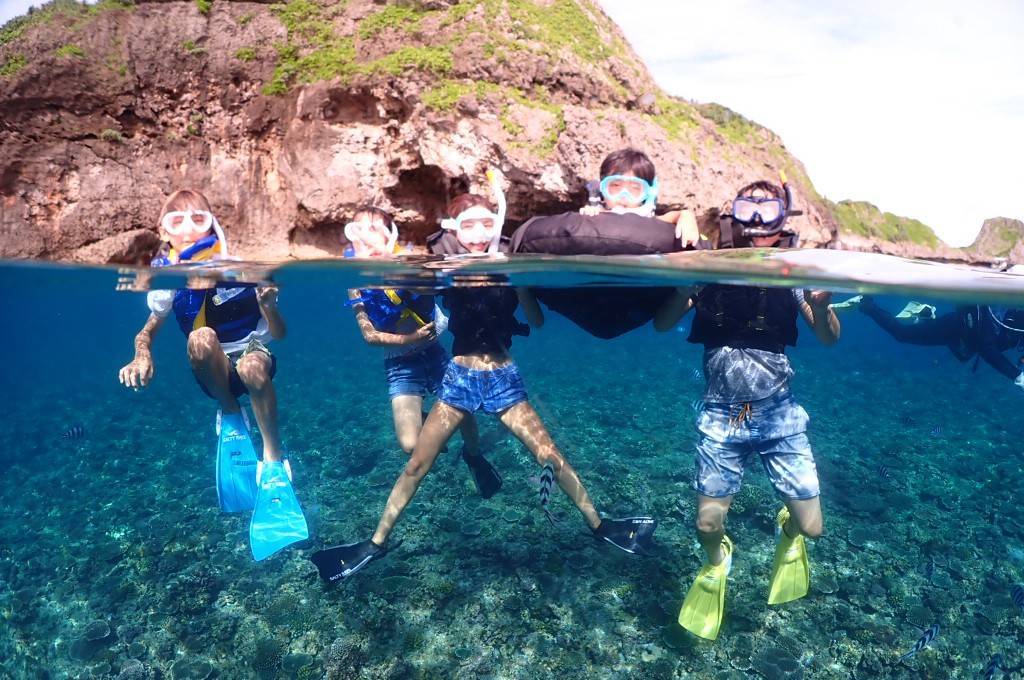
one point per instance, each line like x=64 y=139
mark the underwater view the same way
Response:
x=125 y=553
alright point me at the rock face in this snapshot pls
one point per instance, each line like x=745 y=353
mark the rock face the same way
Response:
x=288 y=116
x=1000 y=237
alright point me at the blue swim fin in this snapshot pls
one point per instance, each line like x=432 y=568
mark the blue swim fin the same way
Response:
x=236 y=463
x=277 y=521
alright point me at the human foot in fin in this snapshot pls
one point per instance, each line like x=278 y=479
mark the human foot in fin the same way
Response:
x=342 y=561
x=704 y=605
x=236 y=463
x=634 y=535
x=488 y=481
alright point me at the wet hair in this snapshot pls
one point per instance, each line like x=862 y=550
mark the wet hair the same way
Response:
x=374 y=211
x=463 y=202
x=185 y=199
x=773 y=190
x=628 y=162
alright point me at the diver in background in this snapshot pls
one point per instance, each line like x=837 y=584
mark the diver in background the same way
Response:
x=748 y=409
x=407 y=324
x=970 y=332
x=619 y=220
x=482 y=376
x=228 y=328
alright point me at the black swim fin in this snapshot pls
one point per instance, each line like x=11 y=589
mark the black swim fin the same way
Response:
x=488 y=481
x=634 y=535
x=344 y=560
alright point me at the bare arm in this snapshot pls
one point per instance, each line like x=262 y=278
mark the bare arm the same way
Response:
x=819 y=317
x=381 y=339
x=531 y=308
x=139 y=371
x=675 y=308
x=267 y=298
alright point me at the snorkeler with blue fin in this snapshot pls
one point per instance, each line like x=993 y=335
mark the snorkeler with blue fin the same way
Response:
x=748 y=411
x=228 y=328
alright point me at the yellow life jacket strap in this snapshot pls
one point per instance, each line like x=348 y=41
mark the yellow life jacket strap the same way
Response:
x=407 y=313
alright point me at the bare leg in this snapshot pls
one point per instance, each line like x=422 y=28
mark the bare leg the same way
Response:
x=470 y=435
x=711 y=513
x=804 y=518
x=211 y=366
x=254 y=370
x=436 y=432
x=526 y=425
x=407 y=410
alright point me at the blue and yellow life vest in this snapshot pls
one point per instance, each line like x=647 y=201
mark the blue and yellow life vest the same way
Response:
x=396 y=311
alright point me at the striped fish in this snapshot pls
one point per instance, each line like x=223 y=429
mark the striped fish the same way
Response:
x=936 y=431
x=1017 y=594
x=547 y=482
x=922 y=642
x=74 y=433
x=697 y=375
x=697 y=405
x=994 y=664
x=883 y=471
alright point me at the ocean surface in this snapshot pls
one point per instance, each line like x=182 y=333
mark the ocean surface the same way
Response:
x=116 y=562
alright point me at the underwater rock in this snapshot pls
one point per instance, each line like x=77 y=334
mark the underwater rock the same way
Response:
x=95 y=636
x=471 y=529
x=741 y=653
x=133 y=669
x=294 y=664
x=191 y=669
x=267 y=656
x=778 y=664
x=194 y=590
x=345 y=657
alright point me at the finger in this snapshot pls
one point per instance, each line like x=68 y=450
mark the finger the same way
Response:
x=120 y=377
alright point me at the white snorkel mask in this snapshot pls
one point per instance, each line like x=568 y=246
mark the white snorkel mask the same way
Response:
x=356 y=232
x=485 y=226
x=178 y=222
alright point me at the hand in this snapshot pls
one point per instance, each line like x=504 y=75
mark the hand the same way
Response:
x=138 y=373
x=818 y=299
x=686 y=228
x=267 y=296
x=1019 y=382
x=425 y=333
x=591 y=210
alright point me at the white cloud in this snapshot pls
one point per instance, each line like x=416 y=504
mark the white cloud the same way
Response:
x=916 y=106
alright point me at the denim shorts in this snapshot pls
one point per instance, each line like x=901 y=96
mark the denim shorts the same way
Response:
x=417 y=373
x=773 y=429
x=235 y=383
x=491 y=391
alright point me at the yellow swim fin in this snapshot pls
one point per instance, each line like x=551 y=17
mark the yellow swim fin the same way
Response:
x=791 y=573
x=705 y=603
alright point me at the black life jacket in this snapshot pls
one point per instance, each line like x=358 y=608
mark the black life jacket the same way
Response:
x=232 y=312
x=745 y=317
x=604 y=312
x=482 y=319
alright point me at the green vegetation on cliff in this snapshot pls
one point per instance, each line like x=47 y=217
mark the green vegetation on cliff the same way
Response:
x=58 y=9
x=864 y=219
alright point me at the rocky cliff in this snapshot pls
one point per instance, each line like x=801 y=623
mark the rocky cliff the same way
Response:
x=289 y=115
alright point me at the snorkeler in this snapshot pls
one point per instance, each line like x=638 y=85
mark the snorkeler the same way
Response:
x=619 y=220
x=970 y=332
x=228 y=328
x=748 y=409
x=408 y=324
x=482 y=376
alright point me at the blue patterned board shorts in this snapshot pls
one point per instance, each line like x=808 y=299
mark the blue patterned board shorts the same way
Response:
x=491 y=391
x=416 y=373
x=774 y=429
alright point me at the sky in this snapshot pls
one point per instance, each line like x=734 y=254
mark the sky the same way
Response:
x=916 y=106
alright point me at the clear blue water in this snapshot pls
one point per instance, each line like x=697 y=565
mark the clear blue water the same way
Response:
x=115 y=560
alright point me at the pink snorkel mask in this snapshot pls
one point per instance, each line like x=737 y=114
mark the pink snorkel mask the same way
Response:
x=478 y=225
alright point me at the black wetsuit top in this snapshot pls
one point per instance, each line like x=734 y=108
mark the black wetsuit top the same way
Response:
x=482 y=319
x=968 y=332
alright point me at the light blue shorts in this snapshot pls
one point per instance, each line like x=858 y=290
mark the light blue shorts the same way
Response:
x=773 y=429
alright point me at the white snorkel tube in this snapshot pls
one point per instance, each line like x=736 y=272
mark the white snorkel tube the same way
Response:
x=221 y=237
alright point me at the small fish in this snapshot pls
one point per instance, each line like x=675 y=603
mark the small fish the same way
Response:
x=994 y=664
x=923 y=641
x=1017 y=594
x=547 y=482
x=883 y=471
x=697 y=405
x=74 y=433
x=936 y=431
x=697 y=375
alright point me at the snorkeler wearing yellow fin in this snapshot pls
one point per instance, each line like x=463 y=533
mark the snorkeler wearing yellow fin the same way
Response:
x=704 y=605
x=791 y=573
x=747 y=411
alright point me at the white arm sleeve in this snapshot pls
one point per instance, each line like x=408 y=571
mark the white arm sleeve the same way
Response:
x=160 y=302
